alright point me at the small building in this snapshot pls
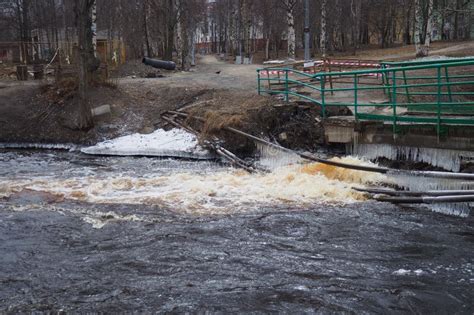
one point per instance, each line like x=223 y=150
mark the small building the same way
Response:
x=9 y=52
x=110 y=48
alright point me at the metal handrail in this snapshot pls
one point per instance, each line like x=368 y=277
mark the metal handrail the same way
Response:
x=391 y=84
x=370 y=71
x=423 y=62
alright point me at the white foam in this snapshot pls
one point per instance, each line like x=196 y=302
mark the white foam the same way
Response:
x=226 y=191
x=406 y=272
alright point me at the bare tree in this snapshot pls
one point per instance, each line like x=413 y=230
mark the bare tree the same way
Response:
x=291 y=35
x=87 y=61
x=423 y=14
x=323 y=27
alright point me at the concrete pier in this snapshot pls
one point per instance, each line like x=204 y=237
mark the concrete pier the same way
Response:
x=416 y=142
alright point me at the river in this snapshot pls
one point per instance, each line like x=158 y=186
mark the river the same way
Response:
x=111 y=234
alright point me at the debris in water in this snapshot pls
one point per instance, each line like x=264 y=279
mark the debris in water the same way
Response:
x=420 y=183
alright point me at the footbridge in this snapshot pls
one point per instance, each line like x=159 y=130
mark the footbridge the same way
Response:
x=416 y=110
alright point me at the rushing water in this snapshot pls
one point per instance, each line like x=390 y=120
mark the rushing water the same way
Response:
x=137 y=234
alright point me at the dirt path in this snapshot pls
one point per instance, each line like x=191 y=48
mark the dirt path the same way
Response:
x=209 y=73
x=450 y=49
x=137 y=103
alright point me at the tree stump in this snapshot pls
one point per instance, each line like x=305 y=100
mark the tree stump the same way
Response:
x=22 y=72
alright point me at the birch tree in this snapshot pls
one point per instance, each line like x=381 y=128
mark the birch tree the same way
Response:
x=429 y=27
x=323 y=27
x=290 y=18
x=422 y=34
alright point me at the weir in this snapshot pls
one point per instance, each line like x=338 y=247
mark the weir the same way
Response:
x=421 y=111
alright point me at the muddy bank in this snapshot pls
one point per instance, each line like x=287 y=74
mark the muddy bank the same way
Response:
x=48 y=114
x=292 y=125
x=43 y=113
x=37 y=113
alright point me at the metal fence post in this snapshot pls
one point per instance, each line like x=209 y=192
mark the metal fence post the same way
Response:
x=355 y=96
x=449 y=86
x=438 y=125
x=287 y=91
x=258 y=82
x=323 y=96
x=394 y=100
x=407 y=92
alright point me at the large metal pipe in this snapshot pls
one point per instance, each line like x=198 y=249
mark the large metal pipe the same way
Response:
x=404 y=193
x=374 y=169
x=426 y=199
x=160 y=64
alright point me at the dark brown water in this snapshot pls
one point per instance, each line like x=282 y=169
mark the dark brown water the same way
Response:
x=323 y=258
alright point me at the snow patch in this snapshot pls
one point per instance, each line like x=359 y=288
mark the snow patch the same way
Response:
x=436 y=57
x=172 y=143
x=274 y=62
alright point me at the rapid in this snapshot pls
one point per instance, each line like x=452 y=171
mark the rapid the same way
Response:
x=82 y=233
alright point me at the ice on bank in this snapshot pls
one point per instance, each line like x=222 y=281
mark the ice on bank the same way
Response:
x=172 y=143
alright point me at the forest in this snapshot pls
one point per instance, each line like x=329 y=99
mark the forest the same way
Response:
x=277 y=28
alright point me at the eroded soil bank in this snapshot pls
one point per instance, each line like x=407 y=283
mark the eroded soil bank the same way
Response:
x=48 y=113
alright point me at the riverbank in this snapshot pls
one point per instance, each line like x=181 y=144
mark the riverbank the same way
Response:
x=223 y=93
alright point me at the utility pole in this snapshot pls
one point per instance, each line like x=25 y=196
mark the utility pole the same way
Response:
x=239 y=3
x=307 y=55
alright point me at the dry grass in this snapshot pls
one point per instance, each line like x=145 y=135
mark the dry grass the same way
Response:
x=60 y=91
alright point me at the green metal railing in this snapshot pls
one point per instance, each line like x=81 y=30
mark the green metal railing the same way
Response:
x=421 y=92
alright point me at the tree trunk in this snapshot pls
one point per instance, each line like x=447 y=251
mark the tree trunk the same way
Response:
x=429 y=27
x=94 y=27
x=406 y=34
x=179 y=38
x=267 y=49
x=291 y=29
x=182 y=37
x=456 y=19
x=83 y=11
x=470 y=7
x=239 y=36
x=418 y=28
x=323 y=27
x=356 y=14
x=23 y=17
x=422 y=35
x=149 y=52
x=169 y=41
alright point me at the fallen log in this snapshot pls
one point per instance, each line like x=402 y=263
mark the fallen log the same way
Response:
x=224 y=153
